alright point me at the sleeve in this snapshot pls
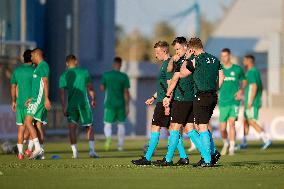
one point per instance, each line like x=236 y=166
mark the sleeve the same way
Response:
x=62 y=82
x=126 y=83
x=190 y=66
x=13 y=78
x=169 y=75
x=251 y=77
x=88 y=77
x=178 y=66
x=44 y=72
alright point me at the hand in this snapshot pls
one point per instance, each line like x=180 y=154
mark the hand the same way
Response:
x=239 y=95
x=93 y=103
x=47 y=104
x=150 y=101
x=176 y=57
x=167 y=111
x=166 y=102
x=13 y=106
x=126 y=110
x=28 y=102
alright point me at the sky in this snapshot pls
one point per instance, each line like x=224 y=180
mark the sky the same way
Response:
x=144 y=14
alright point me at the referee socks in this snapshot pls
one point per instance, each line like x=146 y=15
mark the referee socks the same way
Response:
x=195 y=138
x=153 y=142
x=172 y=145
x=212 y=145
x=180 y=147
x=205 y=139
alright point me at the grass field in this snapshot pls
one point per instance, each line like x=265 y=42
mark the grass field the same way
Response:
x=251 y=168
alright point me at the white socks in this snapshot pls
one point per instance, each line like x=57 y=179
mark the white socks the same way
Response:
x=120 y=134
x=20 y=148
x=263 y=136
x=91 y=146
x=30 y=145
x=232 y=145
x=225 y=142
x=107 y=130
x=74 y=150
x=37 y=145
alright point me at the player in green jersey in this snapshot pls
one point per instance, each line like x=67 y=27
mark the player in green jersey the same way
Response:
x=21 y=83
x=116 y=105
x=230 y=95
x=161 y=117
x=39 y=104
x=253 y=94
x=76 y=82
x=207 y=76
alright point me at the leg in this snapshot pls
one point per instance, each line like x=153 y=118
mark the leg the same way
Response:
x=173 y=141
x=180 y=146
x=153 y=142
x=32 y=131
x=232 y=136
x=40 y=133
x=21 y=130
x=205 y=139
x=224 y=134
x=107 y=132
x=120 y=135
x=90 y=137
x=73 y=139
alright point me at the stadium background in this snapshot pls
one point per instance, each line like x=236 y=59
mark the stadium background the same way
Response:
x=90 y=29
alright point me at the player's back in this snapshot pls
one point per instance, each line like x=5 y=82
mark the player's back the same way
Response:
x=75 y=80
x=115 y=82
x=23 y=76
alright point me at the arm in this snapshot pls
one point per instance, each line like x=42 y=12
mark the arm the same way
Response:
x=14 y=96
x=184 y=72
x=221 y=78
x=62 y=100
x=127 y=99
x=253 y=93
x=92 y=94
x=170 y=67
x=151 y=100
x=47 y=103
x=240 y=92
x=173 y=83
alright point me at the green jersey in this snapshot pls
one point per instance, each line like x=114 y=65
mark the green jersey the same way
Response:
x=231 y=85
x=184 y=90
x=22 y=77
x=162 y=84
x=115 y=83
x=253 y=76
x=206 y=73
x=40 y=72
x=75 y=81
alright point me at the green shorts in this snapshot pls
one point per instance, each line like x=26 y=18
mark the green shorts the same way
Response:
x=81 y=115
x=113 y=115
x=21 y=113
x=228 y=112
x=38 y=112
x=251 y=113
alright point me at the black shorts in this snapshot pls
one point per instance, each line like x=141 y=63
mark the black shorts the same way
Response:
x=203 y=107
x=159 y=117
x=182 y=112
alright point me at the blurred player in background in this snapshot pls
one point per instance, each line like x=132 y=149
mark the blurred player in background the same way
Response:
x=77 y=83
x=21 y=84
x=39 y=104
x=116 y=105
x=230 y=95
x=252 y=98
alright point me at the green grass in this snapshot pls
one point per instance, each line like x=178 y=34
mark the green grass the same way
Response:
x=251 y=168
